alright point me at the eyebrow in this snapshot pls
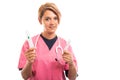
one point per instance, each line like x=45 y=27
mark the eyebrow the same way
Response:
x=50 y=17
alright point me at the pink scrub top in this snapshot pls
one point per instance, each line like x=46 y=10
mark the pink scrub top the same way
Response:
x=45 y=67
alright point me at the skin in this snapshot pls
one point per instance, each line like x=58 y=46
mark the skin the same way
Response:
x=50 y=22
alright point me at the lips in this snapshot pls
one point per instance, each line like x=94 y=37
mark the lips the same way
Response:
x=52 y=27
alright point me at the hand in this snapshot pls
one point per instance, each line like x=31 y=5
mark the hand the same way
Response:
x=30 y=55
x=67 y=57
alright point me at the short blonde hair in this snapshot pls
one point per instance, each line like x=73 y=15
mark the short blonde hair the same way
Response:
x=49 y=6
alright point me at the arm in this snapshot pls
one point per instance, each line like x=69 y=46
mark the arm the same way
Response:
x=27 y=69
x=72 y=72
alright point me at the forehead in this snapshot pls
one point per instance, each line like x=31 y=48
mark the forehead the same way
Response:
x=49 y=13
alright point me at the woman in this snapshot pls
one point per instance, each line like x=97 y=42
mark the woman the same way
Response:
x=44 y=62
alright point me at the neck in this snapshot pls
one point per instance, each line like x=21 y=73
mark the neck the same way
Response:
x=48 y=35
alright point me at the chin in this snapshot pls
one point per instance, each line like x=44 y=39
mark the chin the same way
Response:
x=51 y=32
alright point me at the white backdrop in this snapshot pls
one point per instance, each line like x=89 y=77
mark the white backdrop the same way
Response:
x=92 y=25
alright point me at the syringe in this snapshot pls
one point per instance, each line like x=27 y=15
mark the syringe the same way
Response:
x=31 y=45
x=67 y=45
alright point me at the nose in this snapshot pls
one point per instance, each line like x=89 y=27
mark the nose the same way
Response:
x=52 y=21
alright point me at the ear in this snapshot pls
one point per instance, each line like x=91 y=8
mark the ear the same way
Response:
x=39 y=20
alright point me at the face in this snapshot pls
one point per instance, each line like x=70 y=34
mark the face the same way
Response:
x=49 y=21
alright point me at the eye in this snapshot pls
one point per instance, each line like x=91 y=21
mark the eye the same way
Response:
x=55 y=18
x=47 y=19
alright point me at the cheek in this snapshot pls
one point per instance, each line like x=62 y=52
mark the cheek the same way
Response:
x=43 y=23
x=46 y=25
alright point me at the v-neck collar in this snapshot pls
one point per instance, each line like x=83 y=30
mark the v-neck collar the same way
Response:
x=49 y=42
x=46 y=47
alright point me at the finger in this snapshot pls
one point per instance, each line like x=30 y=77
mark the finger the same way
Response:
x=29 y=52
x=66 y=52
x=31 y=57
x=68 y=60
x=31 y=49
x=67 y=57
